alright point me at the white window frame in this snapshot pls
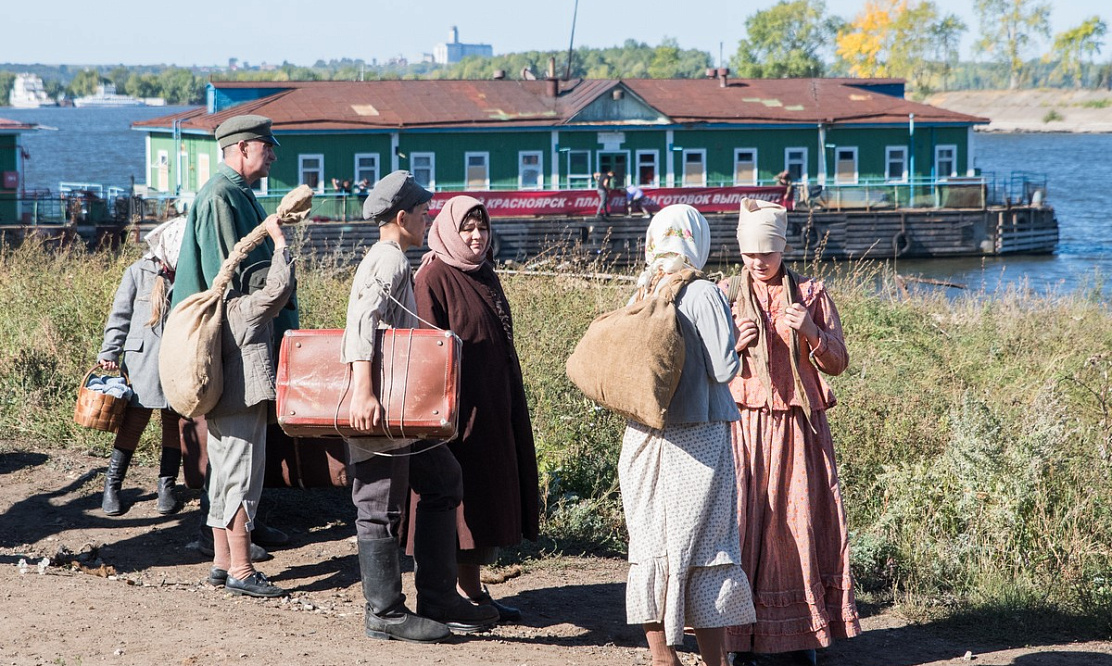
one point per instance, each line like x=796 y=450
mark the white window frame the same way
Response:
x=162 y=170
x=889 y=158
x=357 y=169
x=538 y=183
x=788 y=162
x=837 y=177
x=655 y=161
x=467 y=167
x=587 y=177
x=702 y=153
x=953 y=159
x=431 y=185
x=302 y=170
x=756 y=173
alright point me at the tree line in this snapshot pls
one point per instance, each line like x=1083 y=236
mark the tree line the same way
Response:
x=909 y=39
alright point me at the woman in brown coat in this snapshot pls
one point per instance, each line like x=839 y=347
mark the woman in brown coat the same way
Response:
x=457 y=289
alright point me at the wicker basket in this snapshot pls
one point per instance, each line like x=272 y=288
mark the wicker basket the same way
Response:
x=97 y=410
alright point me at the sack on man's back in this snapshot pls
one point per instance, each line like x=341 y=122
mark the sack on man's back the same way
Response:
x=630 y=359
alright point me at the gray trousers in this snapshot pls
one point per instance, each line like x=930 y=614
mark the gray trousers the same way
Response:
x=237 y=462
x=379 y=487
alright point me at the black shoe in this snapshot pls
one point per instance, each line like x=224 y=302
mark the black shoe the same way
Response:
x=461 y=616
x=265 y=535
x=217 y=577
x=804 y=657
x=255 y=585
x=113 y=479
x=506 y=614
x=167 y=503
x=203 y=545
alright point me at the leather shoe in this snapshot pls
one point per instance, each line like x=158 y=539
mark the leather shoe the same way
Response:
x=217 y=577
x=255 y=585
x=805 y=657
x=265 y=535
x=506 y=614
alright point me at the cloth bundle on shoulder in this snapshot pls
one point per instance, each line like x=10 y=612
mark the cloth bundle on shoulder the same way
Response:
x=189 y=361
x=630 y=359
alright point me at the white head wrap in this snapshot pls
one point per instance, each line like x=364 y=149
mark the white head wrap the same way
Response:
x=677 y=236
x=762 y=227
x=165 y=241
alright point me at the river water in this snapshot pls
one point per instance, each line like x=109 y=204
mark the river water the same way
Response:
x=97 y=145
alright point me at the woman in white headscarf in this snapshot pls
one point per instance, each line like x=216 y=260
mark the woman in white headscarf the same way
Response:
x=678 y=484
x=132 y=338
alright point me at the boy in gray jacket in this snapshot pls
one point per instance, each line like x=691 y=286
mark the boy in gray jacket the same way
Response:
x=237 y=425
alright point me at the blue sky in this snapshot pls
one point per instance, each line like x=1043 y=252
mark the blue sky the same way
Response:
x=208 y=32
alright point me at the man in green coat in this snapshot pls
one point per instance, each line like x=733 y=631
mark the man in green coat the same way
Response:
x=224 y=211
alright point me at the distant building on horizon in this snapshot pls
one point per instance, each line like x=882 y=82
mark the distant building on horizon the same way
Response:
x=454 y=51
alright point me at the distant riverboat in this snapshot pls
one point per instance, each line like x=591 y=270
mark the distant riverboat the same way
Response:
x=28 y=93
x=107 y=96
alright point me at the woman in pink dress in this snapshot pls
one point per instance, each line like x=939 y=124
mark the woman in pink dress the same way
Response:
x=794 y=540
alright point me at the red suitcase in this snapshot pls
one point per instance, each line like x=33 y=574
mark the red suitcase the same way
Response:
x=415 y=374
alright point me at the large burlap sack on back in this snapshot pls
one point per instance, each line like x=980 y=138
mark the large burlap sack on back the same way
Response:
x=630 y=359
x=189 y=360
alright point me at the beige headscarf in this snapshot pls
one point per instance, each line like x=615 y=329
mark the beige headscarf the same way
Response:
x=762 y=227
x=445 y=241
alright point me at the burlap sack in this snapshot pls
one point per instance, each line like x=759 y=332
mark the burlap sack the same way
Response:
x=189 y=360
x=630 y=359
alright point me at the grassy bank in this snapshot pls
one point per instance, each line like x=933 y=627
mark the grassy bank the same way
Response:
x=974 y=434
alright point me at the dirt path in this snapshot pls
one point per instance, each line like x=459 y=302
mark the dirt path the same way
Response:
x=136 y=595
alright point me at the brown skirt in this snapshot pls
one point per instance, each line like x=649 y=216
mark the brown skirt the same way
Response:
x=794 y=540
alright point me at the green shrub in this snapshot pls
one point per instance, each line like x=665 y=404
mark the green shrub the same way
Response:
x=1052 y=116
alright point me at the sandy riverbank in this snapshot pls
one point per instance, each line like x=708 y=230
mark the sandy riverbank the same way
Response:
x=1065 y=110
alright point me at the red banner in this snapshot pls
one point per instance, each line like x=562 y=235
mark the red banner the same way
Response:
x=585 y=202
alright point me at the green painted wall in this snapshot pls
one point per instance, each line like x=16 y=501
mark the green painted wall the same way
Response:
x=503 y=147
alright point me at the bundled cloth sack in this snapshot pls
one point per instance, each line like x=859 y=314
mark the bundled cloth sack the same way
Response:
x=189 y=361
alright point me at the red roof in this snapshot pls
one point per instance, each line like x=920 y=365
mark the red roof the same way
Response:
x=14 y=126
x=353 y=105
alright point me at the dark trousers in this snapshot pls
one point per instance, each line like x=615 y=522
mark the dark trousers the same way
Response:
x=379 y=487
x=603 y=202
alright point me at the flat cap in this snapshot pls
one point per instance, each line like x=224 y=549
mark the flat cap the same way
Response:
x=396 y=192
x=244 y=128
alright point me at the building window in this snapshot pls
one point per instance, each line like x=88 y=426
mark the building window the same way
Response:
x=366 y=167
x=310 y=171
x=845 y=165
x=647 y=171
x=795 y=163
x=423 y=166
x=945 y=161
x=530 y=170
x=478 y=171
x=579 y=170
x=895 y=164
x=745 y=166
x=694 y=167
x=203 y=169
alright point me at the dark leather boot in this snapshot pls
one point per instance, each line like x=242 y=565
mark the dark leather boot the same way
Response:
x=113 y=479
x=168 y=467
x=167 y=503
x=434 y=558
x=386 y=616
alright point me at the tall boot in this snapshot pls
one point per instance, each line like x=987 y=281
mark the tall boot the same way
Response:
x=386 y=615
x=113 y=479
x=167 y=479
x=434 y=557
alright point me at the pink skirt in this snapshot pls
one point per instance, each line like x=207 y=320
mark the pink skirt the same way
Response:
x=794 y=541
